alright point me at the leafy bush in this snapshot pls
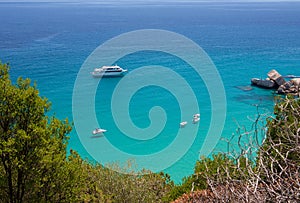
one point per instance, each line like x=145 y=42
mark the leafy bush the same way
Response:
x=34 y=164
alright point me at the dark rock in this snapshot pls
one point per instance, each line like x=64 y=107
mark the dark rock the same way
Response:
x=280 y=90
x=268 y=84
x=287 y=85
x=287 y=88
x=280 y=81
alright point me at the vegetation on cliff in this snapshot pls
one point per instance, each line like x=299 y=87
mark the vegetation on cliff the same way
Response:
x=35 y=165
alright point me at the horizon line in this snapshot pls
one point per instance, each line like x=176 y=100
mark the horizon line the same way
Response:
x=147 y=1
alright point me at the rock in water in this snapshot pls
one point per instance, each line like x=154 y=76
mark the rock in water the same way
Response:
x=276 y=81
x=268 y=84
x=276 y=77
x=296 y=81
x=290 y=87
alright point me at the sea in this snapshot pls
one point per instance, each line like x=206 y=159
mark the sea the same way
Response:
x=182 y=57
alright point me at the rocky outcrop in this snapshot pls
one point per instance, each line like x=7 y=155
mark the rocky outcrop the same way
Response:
x=276 y=77
x=277 y=82
x=273 y=81
x=267 y=83
x=290 y=87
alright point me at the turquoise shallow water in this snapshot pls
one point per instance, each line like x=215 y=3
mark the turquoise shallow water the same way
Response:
x=49 y=42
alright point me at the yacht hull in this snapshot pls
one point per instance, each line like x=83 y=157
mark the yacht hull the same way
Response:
x=115 y=74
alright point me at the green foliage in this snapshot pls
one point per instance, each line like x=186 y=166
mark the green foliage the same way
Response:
x=124 y=184
x=34 y=165
x=32 y=145
x=283 y=130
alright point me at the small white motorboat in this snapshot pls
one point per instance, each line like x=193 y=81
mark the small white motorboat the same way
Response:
x=196 y=118
x=99 y=131
x=183 y=124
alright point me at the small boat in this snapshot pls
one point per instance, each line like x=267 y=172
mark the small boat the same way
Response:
x=196 y=118
x=291 y=76
x=109 y=71
x=183 y=124
x=99 y=131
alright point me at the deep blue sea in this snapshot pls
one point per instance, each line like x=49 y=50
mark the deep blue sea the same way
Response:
x=50 y=42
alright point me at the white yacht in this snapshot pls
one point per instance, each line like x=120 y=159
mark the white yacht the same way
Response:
x=98 y=131
x=109 y=71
